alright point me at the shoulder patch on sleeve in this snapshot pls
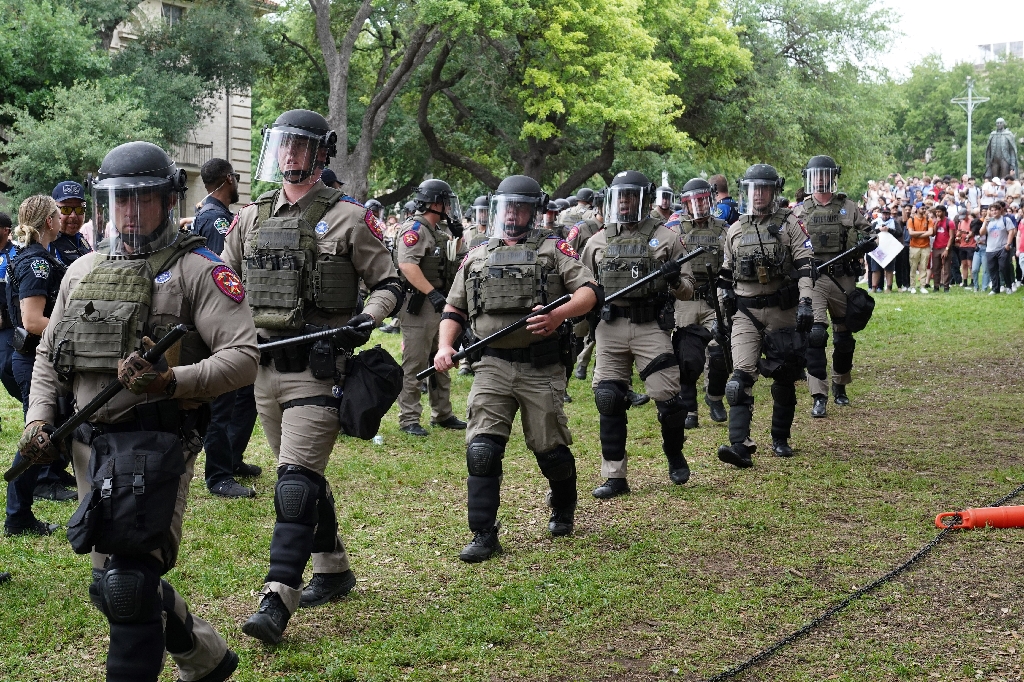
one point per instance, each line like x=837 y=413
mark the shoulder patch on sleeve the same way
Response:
x=221 y=225
x=40 y=268
x=207 y=254
x=567 y=249
x=375 y=227
x=235 y=220
x=349 y=200
x=229 y=283
x=573 y=231
x=807 y=244
x=411 y=236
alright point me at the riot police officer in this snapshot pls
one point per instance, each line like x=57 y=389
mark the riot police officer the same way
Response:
x=637 y=329
x=697 y=319
x=301 y=251
x=766 y=291
x=70 y=244
x=376 y=208
x=585 y=204
x=834 y=224
x=520 y=269
x=478 y=227
x=142 y=444
x=662 y=208
x=427 y=262
x=35 y=276
x=551 y=214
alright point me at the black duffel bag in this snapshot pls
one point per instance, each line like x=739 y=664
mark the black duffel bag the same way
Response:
x=135 y=479
x=859 y=308
x=373 y=381
x=785 y=354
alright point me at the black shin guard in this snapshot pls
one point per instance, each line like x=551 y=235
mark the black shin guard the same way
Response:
x=740 y=416
x=688 y=396
x=672 y=415
x=613 y=437
x=559 y=467
x=842 y=352
x=295 y=500
x=130 y=593
x=327 y=522
x=483 y=502
x=783 y=408
x=177 y=632
x=716 y=381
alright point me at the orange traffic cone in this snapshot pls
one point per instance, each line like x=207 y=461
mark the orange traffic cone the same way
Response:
x=997 y=517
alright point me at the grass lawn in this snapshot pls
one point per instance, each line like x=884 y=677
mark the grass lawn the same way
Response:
x=669 y=582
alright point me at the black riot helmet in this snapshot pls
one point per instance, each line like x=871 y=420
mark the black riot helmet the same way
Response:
x=479 y=209
x=562 y=204
x=296 y=147
x=514 y=207
x=760 y=188
x=408 y=209
x=436 y=191
x=663 y=198
x=551 y=212
x=585 y=195
x=697 y=198
x=137 y=199
x=628 y=199
x=572 y=200
x=821 y=175
x=376 y=208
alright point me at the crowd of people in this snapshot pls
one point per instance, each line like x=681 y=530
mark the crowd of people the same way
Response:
x=955 y=232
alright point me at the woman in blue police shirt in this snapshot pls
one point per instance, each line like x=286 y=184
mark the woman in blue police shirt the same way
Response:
x=34 y=277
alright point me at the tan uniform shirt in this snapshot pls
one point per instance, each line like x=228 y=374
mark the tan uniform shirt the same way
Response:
x=791 y=236
x=664 y=246
x=553 y=252
x=580 y=233
x=416 y=238
x=351 y=229
x=192 y=295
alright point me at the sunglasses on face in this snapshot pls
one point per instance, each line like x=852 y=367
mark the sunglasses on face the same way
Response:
x=68 y=210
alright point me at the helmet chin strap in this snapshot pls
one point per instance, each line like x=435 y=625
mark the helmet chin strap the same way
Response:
x=296 y=177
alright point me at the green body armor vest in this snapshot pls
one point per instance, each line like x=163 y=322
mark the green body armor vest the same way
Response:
x=830 y=231
x=435 y=264
x=285 y=274
x=107 y=314
x=712 y=237
x=514 y=278
x=761 y=256
x=627 y=258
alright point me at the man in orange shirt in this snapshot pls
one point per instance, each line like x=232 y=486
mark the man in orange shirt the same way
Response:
x=920 y=249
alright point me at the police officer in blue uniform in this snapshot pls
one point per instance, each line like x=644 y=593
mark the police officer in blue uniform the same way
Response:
x=726 y=207
x=70 y=245
x=34 y=278
x=7 y=252
x=232 y=414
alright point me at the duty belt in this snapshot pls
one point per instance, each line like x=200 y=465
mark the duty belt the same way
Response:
x=839 y=269
x=547 y=349
x=163 y=416
x=702 y=291
x=637 y=314
x=764 y=301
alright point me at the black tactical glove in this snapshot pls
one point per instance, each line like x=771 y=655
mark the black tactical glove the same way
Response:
x=868 y=245
x=437 y=300
x=356 y=331
x=455 y=227
x=804 y=315
x=729 y=304
x=670 y=271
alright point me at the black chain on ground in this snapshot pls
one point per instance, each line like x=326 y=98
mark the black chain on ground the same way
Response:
x=835 y=608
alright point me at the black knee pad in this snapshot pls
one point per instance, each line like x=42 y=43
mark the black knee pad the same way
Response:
x=816 y=341
x=558 y=464
x=296 y=495
x=716 y=359
x=327 y=521
x=736 y=389
x=610 y=398
x=784 y=393
x=842 y=353
x=128 y=590
x=483 y=456
x=668 y=409
x=818 y=336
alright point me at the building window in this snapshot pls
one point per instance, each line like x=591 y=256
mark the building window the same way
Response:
x=172 y=14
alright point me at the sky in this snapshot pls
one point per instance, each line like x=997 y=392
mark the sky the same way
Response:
x=953 y=28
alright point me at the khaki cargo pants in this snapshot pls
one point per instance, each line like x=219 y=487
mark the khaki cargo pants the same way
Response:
x=419 y=345
x=826 y=297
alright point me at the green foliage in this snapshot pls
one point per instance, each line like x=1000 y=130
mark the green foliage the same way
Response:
x=82 y=124
x=43 y=45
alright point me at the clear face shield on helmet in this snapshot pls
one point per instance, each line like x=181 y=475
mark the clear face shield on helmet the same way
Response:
x=663 y=199
x=760 y=197
x=290 y=155
x=697 y=203
x=511 y=216
x=480 y=215
x=624 y=204
x=821 y=180
x=452 y=208
x=134 y=216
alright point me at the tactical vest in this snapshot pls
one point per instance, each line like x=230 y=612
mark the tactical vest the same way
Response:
x=477 y=239
x=107 y=313
x=435 y=264
x=761 y=256
x=627 y=258
x=829 y=230
x=711 y=236
x=514 y=279
x=285 y=274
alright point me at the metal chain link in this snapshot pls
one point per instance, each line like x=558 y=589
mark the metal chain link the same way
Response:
x=838 y=606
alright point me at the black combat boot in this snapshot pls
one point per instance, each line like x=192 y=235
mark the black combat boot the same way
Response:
x=483 y=546
x=325 y=587
x=637 y=399
x=781 y=448
x=561 y=522
x=839 y=394
x=611 y=488
x=269 y=621
x=678 y=469
x=718 y=413
x=691 y=421
x=738 y=454
x=820 y=407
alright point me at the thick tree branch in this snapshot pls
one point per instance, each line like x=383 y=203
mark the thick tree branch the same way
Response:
x=309 y=55
x=405 y=190
x=600 y=164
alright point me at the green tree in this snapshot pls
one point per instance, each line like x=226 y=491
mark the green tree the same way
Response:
x=81 y=125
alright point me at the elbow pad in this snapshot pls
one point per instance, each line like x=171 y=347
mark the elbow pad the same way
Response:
x=394 y=285
x=725 y=279
x=599 y=292
x=455 y=317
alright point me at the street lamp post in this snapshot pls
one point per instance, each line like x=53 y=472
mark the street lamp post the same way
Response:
x=968 y=104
